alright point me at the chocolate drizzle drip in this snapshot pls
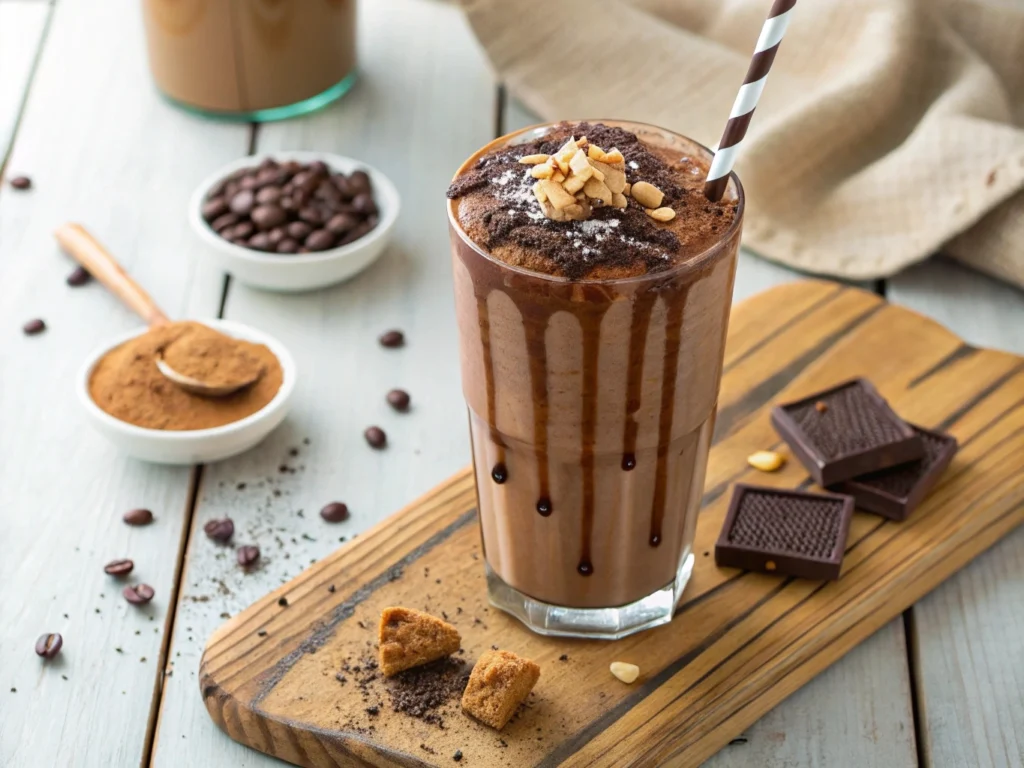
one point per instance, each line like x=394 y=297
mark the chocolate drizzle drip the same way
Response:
x=590 y=322
x=499 y=473
x=643 y=304
x=536 y=325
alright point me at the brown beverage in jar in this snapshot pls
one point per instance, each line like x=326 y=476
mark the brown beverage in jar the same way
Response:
x=245 y=57
x=592 y=334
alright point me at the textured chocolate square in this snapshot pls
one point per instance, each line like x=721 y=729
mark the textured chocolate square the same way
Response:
x=791 y=533
x=895 y=493
x=846 y=431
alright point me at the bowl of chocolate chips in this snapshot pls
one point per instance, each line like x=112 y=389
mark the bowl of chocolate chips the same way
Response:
x=294 y=221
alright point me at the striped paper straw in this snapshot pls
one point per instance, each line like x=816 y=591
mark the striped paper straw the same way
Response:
x=746 y=100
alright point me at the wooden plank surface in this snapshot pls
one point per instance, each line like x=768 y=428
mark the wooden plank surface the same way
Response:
x=22 y=26
x=420 y=66
x=858 y=710
x=742 y=641
x=101 y=149
x=968 y=650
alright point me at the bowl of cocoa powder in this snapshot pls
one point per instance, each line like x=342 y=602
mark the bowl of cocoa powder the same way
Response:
x=150 y=417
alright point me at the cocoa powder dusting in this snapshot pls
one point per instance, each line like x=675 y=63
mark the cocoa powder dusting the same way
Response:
x=213 y=358
x=127 y=384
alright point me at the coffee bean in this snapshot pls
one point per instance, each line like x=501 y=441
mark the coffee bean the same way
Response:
x=138 y=517
x=358 y=231
x=299 y=230
x=223 y=222
x=341 y=223
x=341 y=183
x=242 y=231
x=392 y=339
x=275 y=235
x=214 y=208
x=220 y=530
x=363 y=203
x=319 y=240
x=287 y=203
x=32 y=327
x=359 y=182
x=267 y=176
x=21 y=182
x=327 y=192
x=137 y=594
x=243 y=202
x=398 y=399
x=260 y=241
x=119 y=567
x=268 y=216
x=247 y=555
x=49 y=645
x=319 y=168
x=335 y=512
x=311 y=215
x=268 y=195
x=248 y=183
x=375 y=437
x=287 y=246
x=79 y=277
x=457 y=756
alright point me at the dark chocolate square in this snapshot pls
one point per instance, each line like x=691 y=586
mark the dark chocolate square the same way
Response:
x=853 y=432
x=791 y=533
x=895 y=493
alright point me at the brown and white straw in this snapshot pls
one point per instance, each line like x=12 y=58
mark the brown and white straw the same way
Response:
x=746 y=100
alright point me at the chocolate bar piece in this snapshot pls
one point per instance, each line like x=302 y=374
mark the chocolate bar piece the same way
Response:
x=846 y=431
x=792 y=533
x=895 y=493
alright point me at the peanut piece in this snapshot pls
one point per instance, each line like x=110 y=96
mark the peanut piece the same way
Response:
x=573 y=184
x=766 y=461
x=648 y=195
x=579 y=162
x=661 y=214
x=533 y=159
x=557 y=196
x=544 y=171
x=626 y=189
x=538 y=192
x=594 y=152
x=627 y=673
x=614 y=157
x=598 y=190
x=619 y=200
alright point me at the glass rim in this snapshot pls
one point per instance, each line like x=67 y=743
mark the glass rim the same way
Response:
x=695 y=262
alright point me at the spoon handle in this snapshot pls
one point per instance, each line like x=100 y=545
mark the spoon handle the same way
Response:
x=87 y=251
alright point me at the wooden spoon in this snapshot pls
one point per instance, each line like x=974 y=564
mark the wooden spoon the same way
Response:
x=87 y=251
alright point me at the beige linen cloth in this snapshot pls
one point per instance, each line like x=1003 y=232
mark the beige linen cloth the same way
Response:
x=889 y=129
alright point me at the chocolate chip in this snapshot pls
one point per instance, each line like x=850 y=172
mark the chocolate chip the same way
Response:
x=341 y=223
x=269 y=216
x=398 y=399
x=392 y=339
x=220 y=530
x=287 y=246
x=375 y=437
x=32 y=327
x=138 y=594
x=247 y=555
x=214 y=208
x=243 y=202
x=49 y=645
x=260 y=241
x=335 y=512
x=299 y=230
x=21 y=182
x=223 y=222
x=78 y=278
x=319 y=240
x=138 y=517
x=120 y=567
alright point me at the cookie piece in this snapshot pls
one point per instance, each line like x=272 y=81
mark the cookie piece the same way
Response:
x=409 y=638
x=500 y=682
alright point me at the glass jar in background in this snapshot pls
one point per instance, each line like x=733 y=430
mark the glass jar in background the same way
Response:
x=252 y=59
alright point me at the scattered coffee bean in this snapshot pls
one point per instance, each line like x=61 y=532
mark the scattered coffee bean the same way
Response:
x=21 y=182
x=335 y=512
x=373 y=711
x=392 y=339
x=820 y=406
x=120 y=567
x=32 y=327
x=138 y=517
x=375 y=437
x=247 y=555
x=398 y=399
x=49 y=645
x=220 y=530
x=79 y=277
x=321 y=209
x=283 y=602
x=331 y=589
x=457 y=757
x=137 y=594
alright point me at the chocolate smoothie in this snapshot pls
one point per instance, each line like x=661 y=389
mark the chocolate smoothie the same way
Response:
x=244 y=57
x=592 y=334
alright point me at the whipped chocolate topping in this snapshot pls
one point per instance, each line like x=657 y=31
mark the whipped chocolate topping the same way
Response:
x=499 y=211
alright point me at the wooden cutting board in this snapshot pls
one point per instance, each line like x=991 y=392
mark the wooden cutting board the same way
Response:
x=741 y=642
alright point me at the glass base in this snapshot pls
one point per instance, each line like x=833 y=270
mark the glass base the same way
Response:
x=592 y=623
x=303 y=107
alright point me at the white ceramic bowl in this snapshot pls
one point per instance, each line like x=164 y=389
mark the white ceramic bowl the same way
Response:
x=297 y=272
x=196 y=446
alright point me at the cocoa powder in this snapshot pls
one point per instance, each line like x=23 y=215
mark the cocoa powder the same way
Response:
x=127 y=384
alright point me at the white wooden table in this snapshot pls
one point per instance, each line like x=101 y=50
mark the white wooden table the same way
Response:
x=943 y=686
